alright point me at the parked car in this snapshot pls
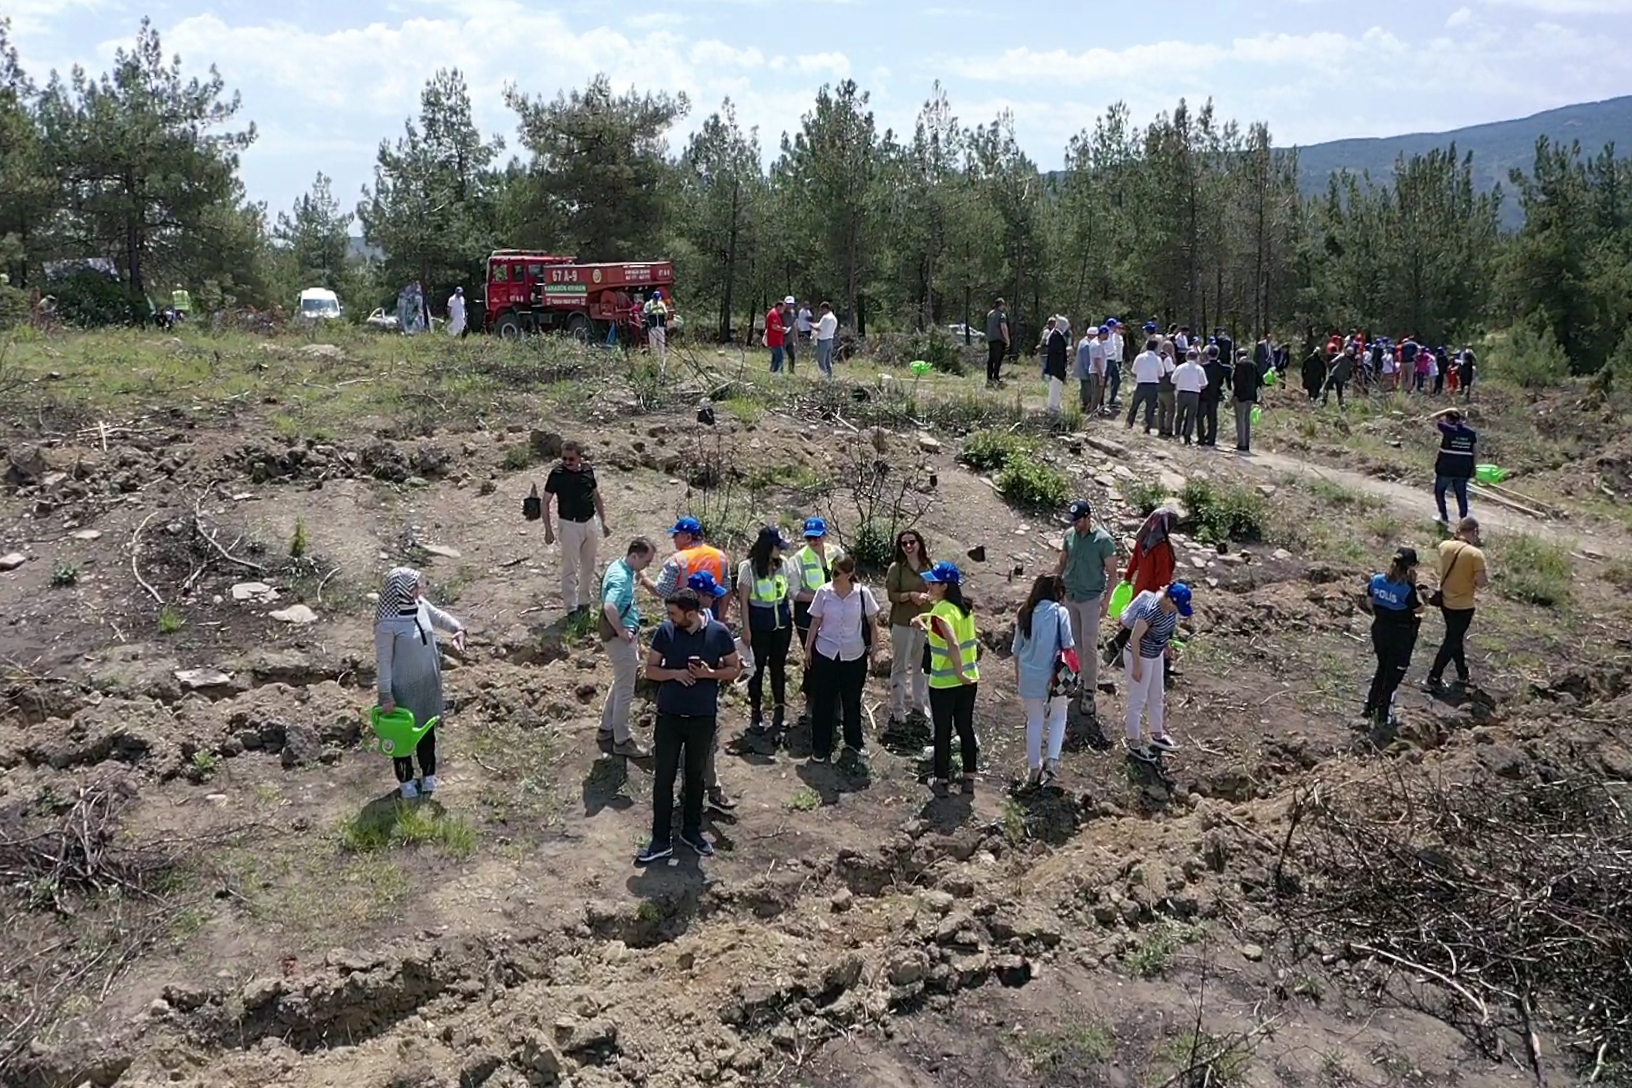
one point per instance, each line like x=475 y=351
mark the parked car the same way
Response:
x=319 y=304
x=380 y=319
x=958 y=332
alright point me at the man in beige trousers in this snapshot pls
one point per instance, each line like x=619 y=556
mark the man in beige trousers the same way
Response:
x=577 y=498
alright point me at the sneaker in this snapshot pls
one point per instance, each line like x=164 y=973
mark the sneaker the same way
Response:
x=699 y=845
x=718 y=800
x=1143 y=753
x=938 y=786
x=631 y=749
x=1034 y=778
x=815 y=758
x=1164 y=742
x=603 y=736
x=1433 y=685
x=1051 y=771
x=853 y=755
x=428 y=784
x=655 y=851
x=409 y=790
x=1086 y=704
x=756 y=723
x=967 y=783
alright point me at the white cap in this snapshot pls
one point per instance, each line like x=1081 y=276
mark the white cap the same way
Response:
x=788 y=301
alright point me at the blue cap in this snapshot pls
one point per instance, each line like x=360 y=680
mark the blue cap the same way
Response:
x=1179 y=594
x=815 y=527
x=774 y=535
x=1104 y=330
x=1150 y=326
x=687 y=525
x=944 y=573
x=1082 y=508
x=1112 y=321
x=705 y=585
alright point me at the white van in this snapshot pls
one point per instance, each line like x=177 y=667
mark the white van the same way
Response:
x=318 y=304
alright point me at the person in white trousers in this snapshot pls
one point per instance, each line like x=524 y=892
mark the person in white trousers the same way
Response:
x=1041 y=633
x=577 y=498
x=656 y=313
x=904 y=585
x=1153 y=616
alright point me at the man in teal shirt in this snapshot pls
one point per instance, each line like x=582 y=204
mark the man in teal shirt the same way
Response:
x=1087 y=562
x=620 y=631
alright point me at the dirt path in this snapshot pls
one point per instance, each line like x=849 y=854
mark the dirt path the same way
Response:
x=1416 y=502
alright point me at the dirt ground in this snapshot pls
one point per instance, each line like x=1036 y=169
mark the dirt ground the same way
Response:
x=258 y=908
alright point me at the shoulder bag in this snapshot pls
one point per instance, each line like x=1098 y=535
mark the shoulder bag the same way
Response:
x=1437 y=597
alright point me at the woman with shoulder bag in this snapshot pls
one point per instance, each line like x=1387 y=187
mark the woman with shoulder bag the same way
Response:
x=1045 y=667
x=843 y=632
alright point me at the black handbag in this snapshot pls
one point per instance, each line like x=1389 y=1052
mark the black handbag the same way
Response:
x=532 y=507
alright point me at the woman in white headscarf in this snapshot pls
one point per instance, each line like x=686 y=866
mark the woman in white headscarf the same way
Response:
x=408 y=662
x=456 y=312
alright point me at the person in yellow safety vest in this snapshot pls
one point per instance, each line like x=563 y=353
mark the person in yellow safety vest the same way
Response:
x=954 y=673
x=181 y=301
x=691 y=554
x=766 y=593
x=814 y=563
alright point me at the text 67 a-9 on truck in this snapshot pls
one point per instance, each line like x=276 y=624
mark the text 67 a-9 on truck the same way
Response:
x=538 y=292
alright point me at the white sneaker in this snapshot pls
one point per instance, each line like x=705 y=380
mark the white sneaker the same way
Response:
x=1164 y=742
x=409 y=790
x=428 y=784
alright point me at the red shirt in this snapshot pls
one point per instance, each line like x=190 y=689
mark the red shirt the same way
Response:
x=773 y=327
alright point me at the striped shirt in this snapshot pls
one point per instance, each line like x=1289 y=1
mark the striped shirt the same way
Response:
x=1161 y=624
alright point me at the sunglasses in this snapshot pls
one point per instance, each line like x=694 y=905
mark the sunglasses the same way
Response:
x=908 y=542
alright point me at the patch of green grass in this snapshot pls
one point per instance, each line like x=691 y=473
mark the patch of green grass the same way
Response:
x=518 y=456
x=1032 y=485
x=744 y=408
x=580 y=627
x=400 y=824
x=1211 y=1059
x=1384 y=525
x=170 y=620
x=1618 y=573
x=1331 y=493
x=1070 y=1046
x=804 y=799
x=1528 y=569
x=64 y=574
x=1016 y=823
x=1157 y=946
x=299 y=542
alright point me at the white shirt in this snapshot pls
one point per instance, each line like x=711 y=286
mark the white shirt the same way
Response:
x=1113 y=348
x=826 y=326
x=1096 y=356
x=803 y=322
x=839 y=634
x=1190 y=377
x=1148 y=367
x=1181 y=343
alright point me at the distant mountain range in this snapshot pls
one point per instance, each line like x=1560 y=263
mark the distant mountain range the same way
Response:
x=1497 y=147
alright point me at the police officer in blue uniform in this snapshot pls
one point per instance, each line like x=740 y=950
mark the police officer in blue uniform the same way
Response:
x=1395 y=602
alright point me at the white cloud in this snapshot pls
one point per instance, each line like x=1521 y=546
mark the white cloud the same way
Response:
x=1459 y=17
x=1573 y=7
x=836 y=64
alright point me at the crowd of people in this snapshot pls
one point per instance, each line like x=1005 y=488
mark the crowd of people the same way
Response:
x=1387 y=366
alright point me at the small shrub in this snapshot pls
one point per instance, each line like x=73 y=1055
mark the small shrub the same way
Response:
x=1534 y=571
x=170 y=620
x=1032 y=485
x=299 y=542
x=1071 y=1047
x=873 y=546
x=382 y=827
x=517 y=457
x=204 y=764
x=1158 y=944
x=1224 y=513
x=990 y=451
x=64 y=574
x=805 y=799
x=1143 y=495
x=1531 y=360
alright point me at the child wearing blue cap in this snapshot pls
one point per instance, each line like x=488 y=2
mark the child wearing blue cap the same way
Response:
x=1152 y=617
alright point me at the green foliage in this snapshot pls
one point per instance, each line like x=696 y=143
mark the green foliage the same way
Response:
x=989 y=451
x=517 y=456
x=1072 y=1046
x=400 y=824
x=64 y=574
x=1144 y=495
x=804 y=799
x=204 y=765
x=1227 y=512
x=170 y=620
x=299 y=542
x=872 y=545
x=1533 y=571
x=91 y=299
x=1158 y=943
x=934 y=345
x=13 y=306
x=1529 y=359
x=1033 y=485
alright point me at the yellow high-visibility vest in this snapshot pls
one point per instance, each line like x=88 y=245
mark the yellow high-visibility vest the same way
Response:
x=941 y=672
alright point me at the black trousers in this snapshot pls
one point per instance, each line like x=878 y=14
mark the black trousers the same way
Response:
x=424 y=751
x=770 y=655
x=1209 y=421
x=1144 y=393
x=675 y=739
x=953 y=708
x=1393 y=643
x=1453 y=650
x=836 y=691
x=994 y=359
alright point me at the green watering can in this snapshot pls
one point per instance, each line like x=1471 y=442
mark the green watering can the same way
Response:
x=1271 y=376
x=1120 y=597
x=919 y=367
x=1257 y=413
x=398 y=734
x=1490 y=474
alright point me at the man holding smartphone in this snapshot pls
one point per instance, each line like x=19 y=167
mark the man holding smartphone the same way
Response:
x=692 y=654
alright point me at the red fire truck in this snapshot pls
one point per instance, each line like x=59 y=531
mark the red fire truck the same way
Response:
x=531 y=292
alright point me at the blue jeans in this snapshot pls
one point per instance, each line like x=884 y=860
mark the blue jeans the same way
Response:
x=776 y=359
x=1458 y=484
x=824 y=357
x=1113 y=383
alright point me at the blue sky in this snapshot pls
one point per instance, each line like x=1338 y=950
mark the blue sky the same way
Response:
x=325 y=81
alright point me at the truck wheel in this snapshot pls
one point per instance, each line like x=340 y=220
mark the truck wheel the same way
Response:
x=578 y=327
x=508 y=326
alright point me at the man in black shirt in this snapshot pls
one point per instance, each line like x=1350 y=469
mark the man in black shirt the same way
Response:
x=997 y=341
x=1453 y=467
x=578 y=501
x=692 y=655
x=1244 y=384
x=1218 y=377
